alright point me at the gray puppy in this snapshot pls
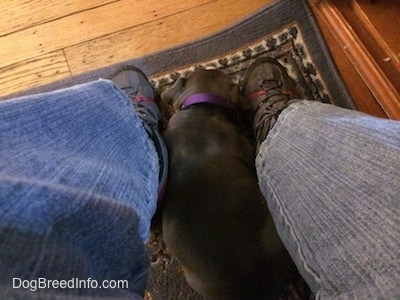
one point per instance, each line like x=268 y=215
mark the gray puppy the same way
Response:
x=215 y=221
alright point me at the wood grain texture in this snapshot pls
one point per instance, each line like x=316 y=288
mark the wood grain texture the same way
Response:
x=383 y=23
x=96 y=33
x=17 y=15
x=85 y=26
x=362 y=96
x=34 y=72
x=376 y=80
x=157 y=35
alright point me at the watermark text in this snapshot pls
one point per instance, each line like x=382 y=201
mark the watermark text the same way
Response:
x=73 y=283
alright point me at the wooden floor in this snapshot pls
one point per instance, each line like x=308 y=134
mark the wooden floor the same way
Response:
x=42 y=41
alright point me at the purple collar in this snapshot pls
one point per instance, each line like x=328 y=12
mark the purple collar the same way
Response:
x=206 y=98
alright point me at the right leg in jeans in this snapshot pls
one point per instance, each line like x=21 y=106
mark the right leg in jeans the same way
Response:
x=331 y=180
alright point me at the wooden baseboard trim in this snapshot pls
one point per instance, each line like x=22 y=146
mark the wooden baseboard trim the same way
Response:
x=375 y=34
x=376 y=80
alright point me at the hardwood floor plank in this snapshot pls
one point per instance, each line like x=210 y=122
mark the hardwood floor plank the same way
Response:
x=21 y=14
x=32 y=73
x=86 y=26
x=160 y=34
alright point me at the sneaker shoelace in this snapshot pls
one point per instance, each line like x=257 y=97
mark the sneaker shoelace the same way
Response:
x=274 y=94
x=266 y=113
x=145 y=107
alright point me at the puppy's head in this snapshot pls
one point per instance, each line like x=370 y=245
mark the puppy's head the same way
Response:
x=203 y=81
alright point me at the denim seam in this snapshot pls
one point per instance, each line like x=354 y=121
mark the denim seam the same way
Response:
x=267 y=144
x=293 y=235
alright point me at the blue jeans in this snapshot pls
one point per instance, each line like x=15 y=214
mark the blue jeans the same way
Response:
x=331 y=178
x=78 y=188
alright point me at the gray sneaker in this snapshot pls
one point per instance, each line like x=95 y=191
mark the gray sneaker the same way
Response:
x=141 y=93
x=269 y=89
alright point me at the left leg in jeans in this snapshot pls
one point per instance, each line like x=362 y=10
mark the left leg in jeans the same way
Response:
x=78 y=188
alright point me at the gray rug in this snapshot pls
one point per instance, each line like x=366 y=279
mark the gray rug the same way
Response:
x=285 y=29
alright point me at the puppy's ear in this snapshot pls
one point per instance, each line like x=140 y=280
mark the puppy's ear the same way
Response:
x=174 y=91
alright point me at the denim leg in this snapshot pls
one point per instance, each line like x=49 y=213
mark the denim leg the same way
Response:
x=331 y=178
x=78 y=189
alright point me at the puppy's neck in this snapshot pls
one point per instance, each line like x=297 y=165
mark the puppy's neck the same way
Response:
x=206 y=98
